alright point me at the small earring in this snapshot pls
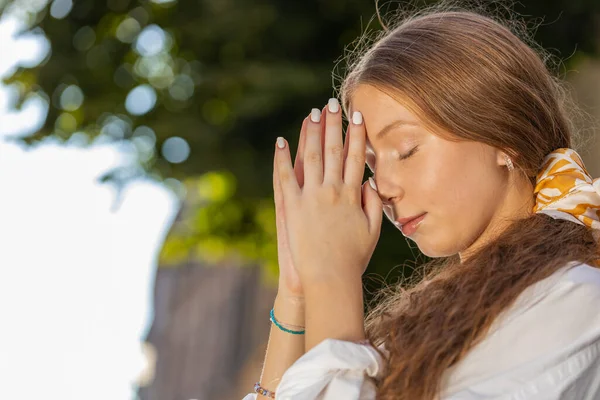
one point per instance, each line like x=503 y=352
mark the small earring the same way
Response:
x=509 y=163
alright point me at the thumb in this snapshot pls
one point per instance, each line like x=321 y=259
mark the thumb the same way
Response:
x=372 y=205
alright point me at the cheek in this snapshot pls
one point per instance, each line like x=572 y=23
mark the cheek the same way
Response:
x=462 y=179
x=460 y=198
x=437 y=186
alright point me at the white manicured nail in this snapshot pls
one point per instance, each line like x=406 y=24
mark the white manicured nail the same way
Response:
x=372 y=183
x=315 y=115
x=280 y=142
x=333 y=105
x=357 y=118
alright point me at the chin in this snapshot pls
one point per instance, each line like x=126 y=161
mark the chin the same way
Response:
x=437 y=254
x=436 y=249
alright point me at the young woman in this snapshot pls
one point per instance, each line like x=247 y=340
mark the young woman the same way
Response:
x=465 y=131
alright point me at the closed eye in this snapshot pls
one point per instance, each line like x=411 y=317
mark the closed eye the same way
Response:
x=410 y=153
x=370 y=159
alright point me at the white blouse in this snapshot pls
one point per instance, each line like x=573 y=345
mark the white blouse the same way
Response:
x=546 y=346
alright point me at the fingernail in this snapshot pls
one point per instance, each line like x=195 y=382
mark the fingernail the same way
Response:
x=333 y=105
x=315 y=115
x=280 y=142
x=357 y=118
x=372 y=183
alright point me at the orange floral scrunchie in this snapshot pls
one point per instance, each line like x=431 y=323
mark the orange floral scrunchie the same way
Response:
x=565 y=190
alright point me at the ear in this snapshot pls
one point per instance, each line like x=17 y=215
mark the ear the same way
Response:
x=501 y=157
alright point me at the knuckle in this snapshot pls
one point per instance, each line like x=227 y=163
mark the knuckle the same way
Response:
x=284 y=176
x=336 y=150
x=314 y=158
x=352 y=201
x=356 y=158
x=334 y=124
x=331 y=193
x=350 y=194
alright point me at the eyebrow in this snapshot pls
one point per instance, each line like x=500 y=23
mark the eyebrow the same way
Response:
x=386 y=129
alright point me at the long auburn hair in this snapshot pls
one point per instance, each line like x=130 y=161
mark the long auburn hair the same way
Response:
x=469 y=74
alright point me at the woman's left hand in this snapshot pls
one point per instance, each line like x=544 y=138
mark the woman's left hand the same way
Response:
x=333 y=220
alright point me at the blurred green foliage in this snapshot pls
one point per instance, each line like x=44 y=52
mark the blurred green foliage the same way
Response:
x=221 y=79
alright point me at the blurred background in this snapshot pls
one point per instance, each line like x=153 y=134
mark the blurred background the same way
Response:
x=137 y=234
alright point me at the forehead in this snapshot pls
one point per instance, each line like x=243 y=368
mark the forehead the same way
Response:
x=372 y=102
x=381 y=112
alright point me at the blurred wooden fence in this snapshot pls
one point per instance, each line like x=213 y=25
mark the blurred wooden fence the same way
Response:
x=209 y=332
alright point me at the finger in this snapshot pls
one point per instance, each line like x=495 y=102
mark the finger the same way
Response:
x=323 y=124
x=354 y=168
x=334 y=145
x=283 y=166
x=279 y=208
x=313 y=153
x=372 y=206
x=299 y=161
x=277 y=195
x=346 y=143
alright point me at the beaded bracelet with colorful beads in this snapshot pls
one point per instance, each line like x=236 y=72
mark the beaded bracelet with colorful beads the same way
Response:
x=261 y=390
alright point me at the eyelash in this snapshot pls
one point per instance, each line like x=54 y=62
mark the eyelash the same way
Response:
x=404 y=157
x=410 y=153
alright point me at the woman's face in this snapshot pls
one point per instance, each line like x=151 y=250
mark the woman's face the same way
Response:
x=461 y=186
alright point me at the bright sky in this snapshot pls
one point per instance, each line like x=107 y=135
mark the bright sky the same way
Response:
x=76 y=275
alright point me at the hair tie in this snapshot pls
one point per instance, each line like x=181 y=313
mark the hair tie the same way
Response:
x=565 y=190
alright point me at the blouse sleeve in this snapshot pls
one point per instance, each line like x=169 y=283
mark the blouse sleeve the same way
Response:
x=333 y=369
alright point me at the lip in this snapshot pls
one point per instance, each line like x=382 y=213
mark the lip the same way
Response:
x=410 y=227
x=404 y=221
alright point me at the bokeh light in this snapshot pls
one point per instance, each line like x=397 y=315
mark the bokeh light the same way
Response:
x=84 y=38
x=115 y=127
x=144 y=140
x=65 y=123
x=71 y=98
x=127 y=30
x=175 y=150
x=145 y=132
x=151 y=41
x=140 y=100
x=61 y=8
x=182 y=87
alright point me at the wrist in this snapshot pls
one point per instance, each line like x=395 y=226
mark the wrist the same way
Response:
x=323 y=277
x=333 y=286
x=293 y=294
x=289 y=310
x=334 y=309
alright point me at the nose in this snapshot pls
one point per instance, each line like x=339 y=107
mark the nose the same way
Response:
x=388 y=192
x=389 y=195
x=388 y=201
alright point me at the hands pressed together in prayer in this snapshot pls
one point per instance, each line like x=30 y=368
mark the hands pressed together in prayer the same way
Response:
x=328 y=223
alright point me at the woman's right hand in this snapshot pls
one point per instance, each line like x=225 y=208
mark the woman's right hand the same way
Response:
x=289 y=282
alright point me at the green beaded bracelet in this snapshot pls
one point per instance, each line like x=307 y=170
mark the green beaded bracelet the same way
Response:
x=277 y=324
